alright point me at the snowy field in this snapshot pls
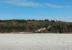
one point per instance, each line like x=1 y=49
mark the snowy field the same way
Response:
x=35 y=41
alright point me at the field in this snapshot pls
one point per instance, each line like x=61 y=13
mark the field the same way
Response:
x=35 y=41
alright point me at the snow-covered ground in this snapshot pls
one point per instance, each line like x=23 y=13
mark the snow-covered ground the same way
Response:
x=35 y=41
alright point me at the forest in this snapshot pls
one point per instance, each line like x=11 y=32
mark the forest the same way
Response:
x=51 y=26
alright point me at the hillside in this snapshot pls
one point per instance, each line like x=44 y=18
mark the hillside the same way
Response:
x=44 y=26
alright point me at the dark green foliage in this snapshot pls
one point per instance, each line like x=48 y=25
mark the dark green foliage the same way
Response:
x=32 y=25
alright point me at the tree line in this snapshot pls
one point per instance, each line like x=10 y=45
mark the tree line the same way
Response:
x=33 y=25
